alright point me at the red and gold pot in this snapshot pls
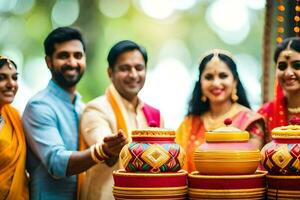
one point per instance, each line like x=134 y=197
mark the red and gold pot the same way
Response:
x=152 y=150
x=283 y=187
x=168 y=185
x=282 y=155
x=250 y=186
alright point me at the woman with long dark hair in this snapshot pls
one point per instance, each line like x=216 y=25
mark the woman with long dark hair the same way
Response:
x=286 y=103
x=218 y=94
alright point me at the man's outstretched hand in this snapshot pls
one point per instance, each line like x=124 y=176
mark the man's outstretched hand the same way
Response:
x=113 y=144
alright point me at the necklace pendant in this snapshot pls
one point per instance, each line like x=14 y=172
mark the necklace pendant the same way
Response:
x=294 y=110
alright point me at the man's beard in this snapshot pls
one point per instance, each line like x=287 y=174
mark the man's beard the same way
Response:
x=66 y=81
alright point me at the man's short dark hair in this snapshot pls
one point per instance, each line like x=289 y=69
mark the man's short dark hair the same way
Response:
x=60 y=35
x=121 y=47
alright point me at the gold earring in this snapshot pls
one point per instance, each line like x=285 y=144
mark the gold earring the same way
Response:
x=203 y=99
x=234 y=97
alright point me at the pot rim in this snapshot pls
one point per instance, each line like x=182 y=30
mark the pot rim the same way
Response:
x=122 y=172
x=152 y=132
x=242 y=136
x=257 y=174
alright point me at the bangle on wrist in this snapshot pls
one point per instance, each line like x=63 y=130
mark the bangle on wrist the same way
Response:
x=101 y=152
x=92 y=148
x=96 y=154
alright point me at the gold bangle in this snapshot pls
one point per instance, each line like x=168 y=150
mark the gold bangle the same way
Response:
x=98 y=151
x=102 y=152
x=92 y=148
x=97 y=155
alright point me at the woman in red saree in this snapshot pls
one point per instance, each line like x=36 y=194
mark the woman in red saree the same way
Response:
x=286 y=103
x=13 y=179
x=218 y=94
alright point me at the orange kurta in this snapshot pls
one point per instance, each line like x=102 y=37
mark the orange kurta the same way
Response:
x=13 y=179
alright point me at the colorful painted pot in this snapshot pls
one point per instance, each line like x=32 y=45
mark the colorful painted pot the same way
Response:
x=283 y=187
x=168 y=185
x=152 y=150
x=282 y=155
x=227 y=151
x=252 y=186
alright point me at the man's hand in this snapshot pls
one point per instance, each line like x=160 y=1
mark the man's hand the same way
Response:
x=112 y=145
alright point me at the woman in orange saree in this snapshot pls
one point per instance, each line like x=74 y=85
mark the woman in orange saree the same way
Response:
x=217 y=95
x=13 y=179
x=286 y=103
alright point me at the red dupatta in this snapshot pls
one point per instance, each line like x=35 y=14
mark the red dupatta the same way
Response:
x=275 y=112
x=279 y=107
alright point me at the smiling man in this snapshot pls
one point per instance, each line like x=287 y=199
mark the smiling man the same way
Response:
x=51 y=123
x=119 y=108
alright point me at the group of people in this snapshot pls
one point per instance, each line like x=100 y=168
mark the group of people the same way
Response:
x=63 y=149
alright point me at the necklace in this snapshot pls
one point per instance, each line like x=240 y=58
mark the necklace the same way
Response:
x=294 y=110
x=213 y=123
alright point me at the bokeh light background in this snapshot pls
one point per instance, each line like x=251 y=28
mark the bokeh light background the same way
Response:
x=175 y=33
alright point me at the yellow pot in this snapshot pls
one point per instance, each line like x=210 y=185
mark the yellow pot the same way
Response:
x=227 y=151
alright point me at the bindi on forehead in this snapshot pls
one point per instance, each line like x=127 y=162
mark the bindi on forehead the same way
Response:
x=288 y=51
x=214 y=71
x=287 y=54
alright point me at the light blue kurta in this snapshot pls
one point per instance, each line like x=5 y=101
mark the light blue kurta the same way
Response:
x=51 y=124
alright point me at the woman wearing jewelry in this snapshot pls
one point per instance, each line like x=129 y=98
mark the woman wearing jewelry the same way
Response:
x=13 y=179
x=286 y=103
x=218 y=94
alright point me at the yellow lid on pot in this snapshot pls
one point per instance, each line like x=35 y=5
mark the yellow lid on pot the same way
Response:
x=226 y=134
x=290 y=131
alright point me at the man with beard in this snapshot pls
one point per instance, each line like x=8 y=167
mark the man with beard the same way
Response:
x=119 y=108
x=51 y=123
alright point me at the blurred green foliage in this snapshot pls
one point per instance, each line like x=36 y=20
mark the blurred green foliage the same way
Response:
x=27 y=32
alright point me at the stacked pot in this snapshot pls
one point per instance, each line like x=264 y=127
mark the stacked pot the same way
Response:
x=281 y=158
x=152 y=167
x=227 y=167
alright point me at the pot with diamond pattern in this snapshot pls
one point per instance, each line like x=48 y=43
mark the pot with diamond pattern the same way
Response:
x=152 y=150
x=282 y=155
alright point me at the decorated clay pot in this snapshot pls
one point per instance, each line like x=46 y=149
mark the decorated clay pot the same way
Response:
x=251 y=186
x=227 y=151
x=141 y=185
x=152 y=150
x=282 y=155
x=283 y=187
